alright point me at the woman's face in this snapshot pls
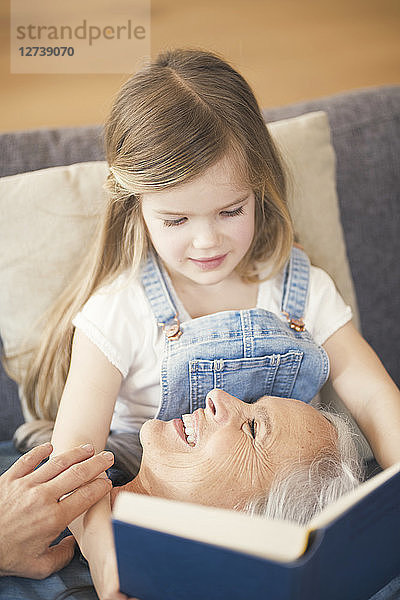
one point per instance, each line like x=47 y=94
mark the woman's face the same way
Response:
x=234 y=449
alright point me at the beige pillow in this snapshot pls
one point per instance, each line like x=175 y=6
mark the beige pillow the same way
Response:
x=46 y=219
x=305 y=145
x=48 y=216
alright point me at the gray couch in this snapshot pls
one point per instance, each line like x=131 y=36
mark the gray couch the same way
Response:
x=366 y=136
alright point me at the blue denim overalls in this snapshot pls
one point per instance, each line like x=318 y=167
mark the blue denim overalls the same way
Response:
x=248 y=353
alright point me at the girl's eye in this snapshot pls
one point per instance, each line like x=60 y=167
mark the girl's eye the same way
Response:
x=225 y=213
x=253 y=428
x=233 y=213
x=174 y=222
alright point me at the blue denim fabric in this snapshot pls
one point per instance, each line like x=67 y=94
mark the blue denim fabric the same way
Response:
x=391 y=591
x=248 y=353
x=76 y=574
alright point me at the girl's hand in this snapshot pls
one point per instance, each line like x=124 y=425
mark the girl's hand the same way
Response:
x=105 y=577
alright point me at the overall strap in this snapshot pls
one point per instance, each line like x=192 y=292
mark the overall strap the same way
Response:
x=159 y=297
x=295 y=288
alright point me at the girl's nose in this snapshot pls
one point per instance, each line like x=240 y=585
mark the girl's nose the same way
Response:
x=205 y=237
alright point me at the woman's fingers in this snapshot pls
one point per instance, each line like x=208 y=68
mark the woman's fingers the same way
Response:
x=61 y=462
x=79 y=474
x=83 y=498
x=29 y=461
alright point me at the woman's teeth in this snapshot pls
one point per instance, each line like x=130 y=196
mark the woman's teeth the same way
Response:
x=189 y=429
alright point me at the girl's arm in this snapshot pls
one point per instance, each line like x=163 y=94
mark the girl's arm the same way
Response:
x=84 y=415
x=367 y=390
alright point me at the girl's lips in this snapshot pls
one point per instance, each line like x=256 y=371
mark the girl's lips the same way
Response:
x=207 y=264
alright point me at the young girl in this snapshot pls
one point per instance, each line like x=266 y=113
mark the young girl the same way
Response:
x=194 y=283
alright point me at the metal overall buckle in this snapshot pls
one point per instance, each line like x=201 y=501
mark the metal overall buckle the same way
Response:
x=173 y=332
x=296 y=324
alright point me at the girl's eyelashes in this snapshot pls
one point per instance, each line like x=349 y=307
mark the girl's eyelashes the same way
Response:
x=233 y=213
x=181 y=220
x=174 y=222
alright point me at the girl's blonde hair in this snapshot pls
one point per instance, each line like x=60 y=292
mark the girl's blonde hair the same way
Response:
x=170 y=121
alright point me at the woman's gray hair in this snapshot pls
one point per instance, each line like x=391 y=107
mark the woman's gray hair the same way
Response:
x=302 y=491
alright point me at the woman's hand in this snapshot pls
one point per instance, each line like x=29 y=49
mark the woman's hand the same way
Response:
x=33 y=512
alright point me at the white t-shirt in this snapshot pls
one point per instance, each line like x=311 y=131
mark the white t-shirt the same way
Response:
x=118 y=319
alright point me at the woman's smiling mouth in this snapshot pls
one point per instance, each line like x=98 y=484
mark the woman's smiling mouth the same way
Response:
x=188 y=428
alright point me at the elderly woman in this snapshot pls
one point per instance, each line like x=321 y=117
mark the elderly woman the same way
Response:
x=278 y=457
x=232 y=452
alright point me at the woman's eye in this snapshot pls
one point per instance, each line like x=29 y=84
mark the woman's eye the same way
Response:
x=233 y=213
x=174 y=222
x=253 y=427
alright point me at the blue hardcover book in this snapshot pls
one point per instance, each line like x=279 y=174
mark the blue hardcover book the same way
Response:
x=169 y=550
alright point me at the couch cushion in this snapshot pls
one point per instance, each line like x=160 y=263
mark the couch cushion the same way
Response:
x=47 y=217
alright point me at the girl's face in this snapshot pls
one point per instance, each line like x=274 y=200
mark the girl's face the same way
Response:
x=223 y=454
x=202 y=229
